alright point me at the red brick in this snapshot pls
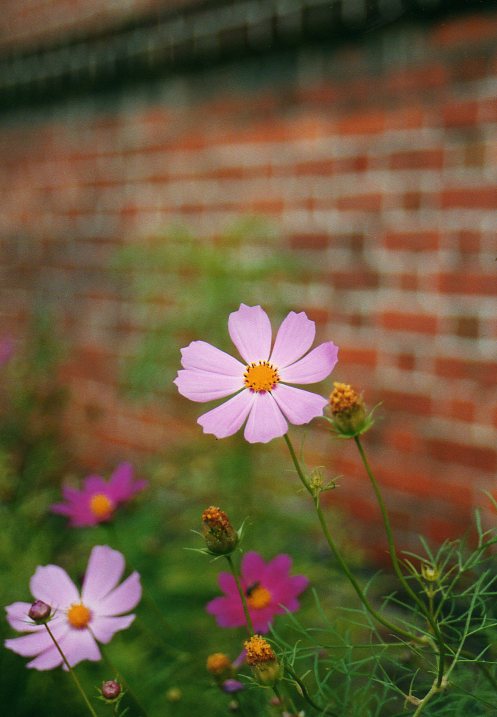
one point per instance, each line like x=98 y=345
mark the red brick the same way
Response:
x=355 y=279
x=483 y=459
x=353 y=355
x=371 y=123
x=469 y=198
x=460 y=114
x=417 y=323
x=409 y=80
x=465 y=30
x=361 y=202
x=310 y=241
x=414 y=403
x=482 y=372
x=457 y=282
x=412 y=240
x=418 y=159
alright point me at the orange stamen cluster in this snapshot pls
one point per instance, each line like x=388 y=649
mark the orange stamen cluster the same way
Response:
x=218 y=663
x=219 y=535
x=79 y=616
x=261 y=377
x=258 y=650
x=101 y=506
x=258 y=597
x=216 y=518
x=343 y=399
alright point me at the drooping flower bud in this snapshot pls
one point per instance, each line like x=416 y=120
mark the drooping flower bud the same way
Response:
x=40 y=612
x=231 y=686
x=219 y=535
x=348 y=411
x=110 y=690
x=262 y=660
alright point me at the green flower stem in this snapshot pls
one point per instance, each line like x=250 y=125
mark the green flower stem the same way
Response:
x=72 y=673
x=442 y=649
x=343 y=565
x=248 y=619
x=306 y=695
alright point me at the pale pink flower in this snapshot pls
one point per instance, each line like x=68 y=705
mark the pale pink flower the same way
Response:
x=269 y=590
x=262 y=397
x=97 y=501
x=79 y=619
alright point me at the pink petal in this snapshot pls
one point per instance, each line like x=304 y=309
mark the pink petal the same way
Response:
x=121 y=486
x=54 y=586
x=265 y=420
x=293 y=340
x=104 y=571
x=227 y=611
x=250 y=331
x=123 y=599
x=79 y=645
x=46 y=660
x=104 y=628
x=252 y=568
x=95 y=484
x=227 y=583
x=277 y=569
x=317 y=365
x=299 y=406
x=226 y=419
x=30 y=645
x=207 y=386
x=205 y=357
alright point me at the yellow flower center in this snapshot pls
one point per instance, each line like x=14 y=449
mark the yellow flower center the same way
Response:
x=79 y=616
x=261 y=377
x=258 y=597
x=258 y=650
x=344 y=399
x=101 y=506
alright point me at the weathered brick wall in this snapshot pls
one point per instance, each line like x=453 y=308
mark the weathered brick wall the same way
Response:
x=378 y=162
x=25 y=23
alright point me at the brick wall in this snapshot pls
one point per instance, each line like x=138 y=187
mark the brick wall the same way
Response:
x=377 y=159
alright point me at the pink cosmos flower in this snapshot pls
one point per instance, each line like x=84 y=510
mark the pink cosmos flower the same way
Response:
x=262 y=397
x=269 y=589
x=98 y=499
x=78 y=620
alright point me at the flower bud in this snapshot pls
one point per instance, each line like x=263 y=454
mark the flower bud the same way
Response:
x=429 y=573
x=348 y=410
x=174 y=694
x=40 y=612
x=111 y=690
x=219 y=665
x=262 y=660
x=219 y=535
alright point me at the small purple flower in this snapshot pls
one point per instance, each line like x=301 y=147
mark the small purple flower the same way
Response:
x=78 y=620
x=262 y=398
x=269 y=590
x=231 y=686
x=97 y=501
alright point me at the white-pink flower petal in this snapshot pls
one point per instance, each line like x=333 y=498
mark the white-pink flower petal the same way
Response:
x=226 y=419
x=79 y=645
x=53 y=585
x=250 y=331
x=30 y=645
x=204 y=356
x=105 y=568
x=122 y=599
x=104 y=628
x=265 y=420
x=204 y=386
x=293 y=340
x=317 y=365
x=17 y=617
x=299 y=406
x=47 y=660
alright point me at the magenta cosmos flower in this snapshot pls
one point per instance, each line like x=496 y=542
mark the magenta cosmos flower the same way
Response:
x=78 y=619
x=262 y=397
x=98 y=499
x=269 y=589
